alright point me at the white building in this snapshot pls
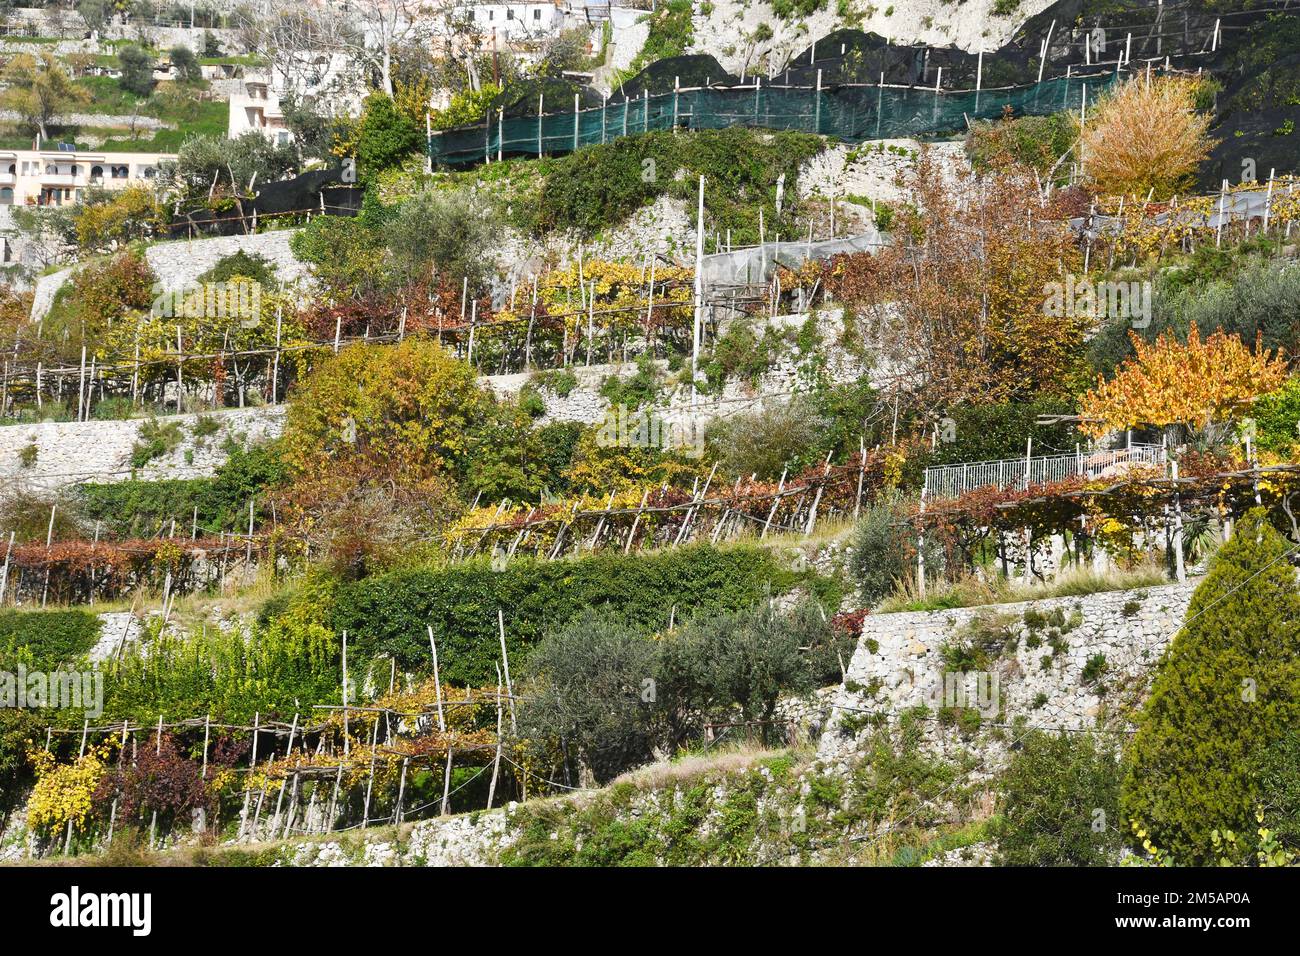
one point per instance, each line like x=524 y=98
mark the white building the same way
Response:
x=518 y=21
x=256 y=107
x=331 y=78
x=58 y=177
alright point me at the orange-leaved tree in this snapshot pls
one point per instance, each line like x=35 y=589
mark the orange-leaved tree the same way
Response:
x=1146 y=135
x=1198 y=385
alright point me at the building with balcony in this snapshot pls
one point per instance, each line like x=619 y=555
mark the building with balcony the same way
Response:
x=256 y=108
x=58 y=177
x=333 y=80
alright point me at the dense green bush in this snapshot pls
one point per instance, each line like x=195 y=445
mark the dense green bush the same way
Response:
x=1228 y=688
x=136 y=66
x=671 y=31
x=385 y=136
x=144 y=507
x=740 y=352
x=1279 y=778
x=792 y=9
x=596 y=693
x=388 y=614
x=884 y=550
x=619 y=695
x=1059 y=802
x=599 y=186
x=46 y=639
x=1277 y=417
x=991 y=432
x=255 y=266
x=157 y=438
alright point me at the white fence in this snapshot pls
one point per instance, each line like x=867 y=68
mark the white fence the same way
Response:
x=952 y=481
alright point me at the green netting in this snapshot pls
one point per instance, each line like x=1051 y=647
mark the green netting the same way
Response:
x=851 y=113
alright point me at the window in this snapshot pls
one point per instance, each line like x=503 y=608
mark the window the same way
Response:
x=537 y=14
x=7 y=196
x=510 y=13
x=121 y=172
x=96 y=173
x=148 y=172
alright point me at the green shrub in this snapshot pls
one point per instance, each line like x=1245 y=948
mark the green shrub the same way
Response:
x=143 y=507
x=204 y=426
x=596 y=693
x=385 y=136
x=156 y=439
x=531 y=402
x=639 y=388
x=1095 y=668
x=792 y=9
x=388 y=613
x=768 y=441
x=560 y=381
x=1228 y=688
x=740 y=353
x=246 y=266
x=1059 y=803
x=290 y=662
x=136 y=66
x=991 y=432
x=1279 y=779
x=600 y=186
x=670 y=33
x=618 y=694
x=884 y=550
x=1277 y=417
x=46 y=639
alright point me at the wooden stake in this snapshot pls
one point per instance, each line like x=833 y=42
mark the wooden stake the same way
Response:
x=505 y=662
x=437 y=681
x=346 y=736
x=446 y=785
x=496 y=761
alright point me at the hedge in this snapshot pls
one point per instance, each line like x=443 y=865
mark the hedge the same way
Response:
x=46 y=639
x=136 y=507
x=389 y=613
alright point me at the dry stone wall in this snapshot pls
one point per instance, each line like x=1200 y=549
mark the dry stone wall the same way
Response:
x=51 y=455
x=178 y=263
x=1073 y=663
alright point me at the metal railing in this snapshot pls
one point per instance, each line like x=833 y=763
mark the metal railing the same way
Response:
x=952 y=481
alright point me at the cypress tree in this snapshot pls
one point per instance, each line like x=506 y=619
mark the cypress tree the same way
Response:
x=1227 y=689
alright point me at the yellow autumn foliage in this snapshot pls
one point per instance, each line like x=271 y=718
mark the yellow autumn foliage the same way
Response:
x=64 y=792
x=1169 y=383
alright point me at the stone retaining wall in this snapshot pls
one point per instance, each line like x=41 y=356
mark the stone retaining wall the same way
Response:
x=68 y=453
x=182 y=261
x=1039 y=652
